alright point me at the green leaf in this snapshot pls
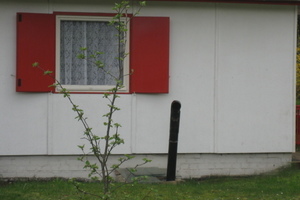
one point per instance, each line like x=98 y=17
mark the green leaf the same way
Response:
x=66 y=95
x=146 y=160
x=132 y=170
x=87 y=164
x=117 y=125
x=95 y=137
x=81 y=147
x=99 y=52
x=35 y=64
x=115 y=166
x=81 y=56
x=99 y=64
x=53 y=85
x=48 y=72
x=142 y=3
x=106 y=115
x=80 y=158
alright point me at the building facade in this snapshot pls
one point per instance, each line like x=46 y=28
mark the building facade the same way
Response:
x=231 y=65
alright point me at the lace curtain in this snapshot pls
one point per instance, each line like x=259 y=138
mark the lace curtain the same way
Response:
x=95 y=36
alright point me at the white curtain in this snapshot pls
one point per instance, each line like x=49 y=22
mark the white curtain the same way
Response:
x=95 y=36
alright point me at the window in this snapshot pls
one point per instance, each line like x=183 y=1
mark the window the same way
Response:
x=95 y=34
x=39 y=39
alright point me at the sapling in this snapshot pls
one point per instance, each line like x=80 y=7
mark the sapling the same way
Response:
x=101 y=146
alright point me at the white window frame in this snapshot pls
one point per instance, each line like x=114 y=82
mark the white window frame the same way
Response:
x=89 y=88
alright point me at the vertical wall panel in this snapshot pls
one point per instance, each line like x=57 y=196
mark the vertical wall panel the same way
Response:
x=192 y=34
x=255 y=85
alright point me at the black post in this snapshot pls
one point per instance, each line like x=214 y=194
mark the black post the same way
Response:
x=174 y=130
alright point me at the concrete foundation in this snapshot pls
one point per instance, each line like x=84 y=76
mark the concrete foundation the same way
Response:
x=188 y=165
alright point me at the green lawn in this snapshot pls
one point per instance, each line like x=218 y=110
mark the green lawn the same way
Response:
x=282 y=185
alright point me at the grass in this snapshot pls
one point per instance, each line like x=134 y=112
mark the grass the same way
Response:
x=282 y=185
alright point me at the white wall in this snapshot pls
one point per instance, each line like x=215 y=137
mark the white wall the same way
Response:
x=255 y=68
x=231 y=66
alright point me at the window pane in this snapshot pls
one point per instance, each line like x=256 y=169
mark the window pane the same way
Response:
x=95 y=36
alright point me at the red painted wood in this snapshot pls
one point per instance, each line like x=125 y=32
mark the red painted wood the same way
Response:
x=149 y=55
x=86 y=14
x=298 y=125
x=35 y=43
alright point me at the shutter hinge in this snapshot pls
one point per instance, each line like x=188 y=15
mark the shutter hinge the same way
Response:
x=19 y=82
x=19 y=17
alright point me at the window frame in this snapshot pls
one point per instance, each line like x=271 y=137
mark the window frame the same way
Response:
x=89 y=88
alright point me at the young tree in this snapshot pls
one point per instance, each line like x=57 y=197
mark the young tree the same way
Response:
x=101 y=146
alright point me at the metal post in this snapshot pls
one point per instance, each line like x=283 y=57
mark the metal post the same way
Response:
x=174 y=130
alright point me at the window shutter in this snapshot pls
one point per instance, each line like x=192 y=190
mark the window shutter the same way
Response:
x=149 y=55
x=35 y=43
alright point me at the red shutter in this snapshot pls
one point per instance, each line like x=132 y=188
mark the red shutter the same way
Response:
x=35 y=43
x=149 y=55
